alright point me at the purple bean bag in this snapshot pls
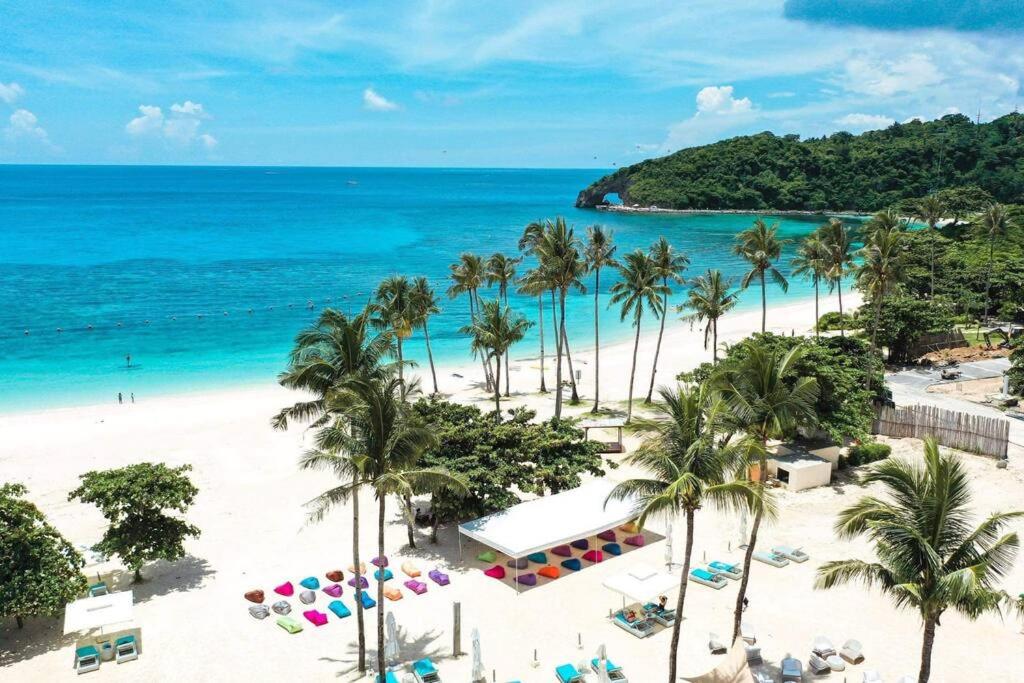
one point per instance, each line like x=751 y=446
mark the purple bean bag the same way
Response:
x=527 y=579
x=573 y=563
x=582 y=544
x=286 y=589
x=417 y=587
x=363 y=583
x=334 y=590
x=562 y=550
x=520 y=563
x=438 y=577
x=381 y=561
x=637 y=540
x=608 y=535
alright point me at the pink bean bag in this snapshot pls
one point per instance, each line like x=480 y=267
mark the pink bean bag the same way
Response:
x=495 y=572
x=563 y=550
x=608 y=535
x=286 y=589
x=334 y=590
x=381 y=561
x=637 y=540
x=417 y=587
x=315 y=617
x=593 y=556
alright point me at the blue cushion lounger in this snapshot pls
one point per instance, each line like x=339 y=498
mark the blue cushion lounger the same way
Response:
x=368 y=602
x=383 y=575
x=539 y=558
x=87 y=659
x=706 y=578
x=310 y=582
x=339 y=609
x=609 y=665
x=425 y=671
x=573 y=563
x=125 y=650
x=390 y=677
x=612 y=548
x=731 y=571
x=567 y=673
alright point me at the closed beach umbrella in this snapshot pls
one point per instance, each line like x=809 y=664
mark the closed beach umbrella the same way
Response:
x=391 y=640
x=602 y=664
x=668 y=544
x=478 y=665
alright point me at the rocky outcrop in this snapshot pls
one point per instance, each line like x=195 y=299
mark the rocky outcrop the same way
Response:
x=617 y=183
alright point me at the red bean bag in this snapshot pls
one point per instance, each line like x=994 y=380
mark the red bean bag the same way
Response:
x=607 y=536
x=335 y=576
x=593 y=556
x=549 y=572
x=495 y=572
x=255 y=596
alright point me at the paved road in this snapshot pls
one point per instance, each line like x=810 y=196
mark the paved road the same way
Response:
x=925 y=377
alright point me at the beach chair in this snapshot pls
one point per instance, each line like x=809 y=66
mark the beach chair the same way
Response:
x=87 y=659
x=613 y=671
x=706 y=578
x=817 y=665
x=339 y=609
x=289 y=624
x=762 y=677
x=792 y=670
x=417 y=587
x=315 y=617
x=362 y=568
x=363 y=583
x=368 y=602
x=823 y=647
x=572 y=564
x=852 y=651
x=410 y=570
x=438 y=577
x=381 y=561
x=495 y=572
x=727 y=569
x=259 y=611
x=608 y=535
x=286 y=589
x=425 y=672
x=487 y=556
x=389 y=677
x=307 y=597
x=392 y=593
x=257 y=596
x=567 y=673
x=537 y=558
x=335 y=575
x=594 y=556
x=872 y=676
x=612 y=549
x=665 y=617
x=518 y=563
x=637 y=540
x=581 y=544
x=334 y=590
x=836 y=663
x=310 y=582
x=794 y=554
x=773 y=559
x=715 y=644
x=641 y=628
x=383 y=575
x=527 y=579
x=98 y=589
x=747 y=632
x=562 y=551
x=281 y=607
x=549 y=572
x=753 y=653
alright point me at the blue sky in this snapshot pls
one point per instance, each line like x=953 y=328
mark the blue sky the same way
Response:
x=560 y=83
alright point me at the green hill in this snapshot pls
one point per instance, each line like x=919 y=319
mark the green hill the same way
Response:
x=839 y=172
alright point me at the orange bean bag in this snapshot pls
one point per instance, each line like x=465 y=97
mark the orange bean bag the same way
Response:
x=362 y=569
x=392 y=593
x=549 y=572
x=630 y=528
x=255 y=596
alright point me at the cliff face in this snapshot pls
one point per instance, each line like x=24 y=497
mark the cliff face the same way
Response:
x=616 y=183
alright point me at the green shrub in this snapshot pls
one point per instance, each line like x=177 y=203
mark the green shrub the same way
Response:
x=867 y=453
x=833 y=321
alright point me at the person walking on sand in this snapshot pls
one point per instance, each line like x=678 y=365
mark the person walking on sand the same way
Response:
x=120 y=398
x=133 y=398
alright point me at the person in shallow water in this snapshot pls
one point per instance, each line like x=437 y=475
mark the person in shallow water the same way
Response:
x=120 y=398
x=128 y=360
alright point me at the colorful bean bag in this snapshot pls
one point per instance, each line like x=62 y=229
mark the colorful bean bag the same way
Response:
x=487 y=556
x=562 y=550
x=573 y=564
x=519 y=563
x=289 y=624
x=410 y=570
x=383 y=575
x=281 y=607
x=339 y=609
x=381 y=561
x=495 y=572
x=581 y=544
x=363 y=583
x=259 y=611
x=307 y=597
x=630 y=528
x=392 y=593
x=286 y=589
x=612 y=548
x=549 y=572
x=438 y=577
x=637 y=540
x=361 y=570
x=608 y=535
x=334 y=590
x=335 y=575
x=527 y=579
x=315 y=617
x=368 y=602
x=537 y=558
x=310 y=582
x=255 y=596
x=593 y=556
x=417 y=587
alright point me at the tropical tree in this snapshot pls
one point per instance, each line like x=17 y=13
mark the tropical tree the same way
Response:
x=669 y=265
x=685 y=470
x=760 y=246
x=467 y=276
x=929 y=558
x=501 y=270
x=931 y=210
x=600 y=252
x=708 y=300
x=838 y=245
x=885 y=220
x=395 y=311
x=880 y=270
x=639 y=289
x=812 y=261
x=424 y=305
x=995 y=222
x=765 y=402
x=496 y=329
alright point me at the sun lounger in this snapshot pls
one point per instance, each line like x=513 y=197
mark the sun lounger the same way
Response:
x=289 y=624
x=383 y=575
x=665 y=617
x=389 y=677
x=608 y=535
x=362 y=568
x=425 y=672
x=762 y=676
x=257 y=596
x=363 y=583
x=549 y=572
x=773 y=559
x=368 y=602
x=872 y=676
x=87 y=659
x=417 y=587
x=613 y=671
x=410 y=570
x=567 y=673
x=392 y=593
x=562 y=551
x=630 y=528
x=637 y=540
x=307 y=597
x=286 y=589
x=706 y=578
x=495 y=572
x=641 y=628
x=381 y=561
x=852 y=651
x=715 y=644
x=518 y=563
x=836 y=663
x=487 y=556
x=259 y=611
x=823 y=647
x=281 y=607
x=310 y=582
x=315 y=617
x=748 y=632
x=593 y=556
x=581 y=544
x=727 y=569
x=792 y=670
x=572 y=564
x=817 y=665
x=335 y=575
x=334 y=590
x=339 y=609
x=438 y=577
x=789 y=553
x=527 y=579
x=537 y=558
x=612 y=549
x=98 y=589
x=753 y=653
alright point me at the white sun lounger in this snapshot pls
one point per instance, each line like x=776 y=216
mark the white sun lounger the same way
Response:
x=872 y=676
x=715 y=644
x=852 y=651
x=792 y=670
x=772 y=558
x=747 y=632
x=817 y=665
x=795 y=554
x=709 y=579
x=823 y=647
x=730 y=570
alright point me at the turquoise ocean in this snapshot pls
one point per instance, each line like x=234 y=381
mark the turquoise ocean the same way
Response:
x=166 y=263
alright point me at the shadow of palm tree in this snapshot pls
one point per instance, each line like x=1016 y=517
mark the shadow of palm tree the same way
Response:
x=410 y=649
x=161 y=577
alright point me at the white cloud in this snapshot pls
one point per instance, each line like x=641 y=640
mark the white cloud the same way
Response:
x=152 y=120
x=374 y=101
x=718 y=113
x=10 y=92
x=908 y=75
x=718 y=99
x=24 y=125
x=208 y=141
x=189 y=108
x=179 y=126
x=865 y=121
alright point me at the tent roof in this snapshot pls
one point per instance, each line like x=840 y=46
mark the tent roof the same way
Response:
x=641 y=583
x=103 y=610
x=553 y=520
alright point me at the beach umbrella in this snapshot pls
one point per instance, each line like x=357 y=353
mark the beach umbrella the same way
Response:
x=602 y=664
x=479 y=674
x=391 y=639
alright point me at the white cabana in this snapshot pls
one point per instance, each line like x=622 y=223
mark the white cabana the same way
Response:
x=103 y=610
x=642 y=583
x=545 y=522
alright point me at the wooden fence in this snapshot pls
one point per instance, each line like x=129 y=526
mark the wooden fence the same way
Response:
x=967 y=432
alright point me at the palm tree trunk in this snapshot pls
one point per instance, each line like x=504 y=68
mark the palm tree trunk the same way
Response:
x=430 y=357
x=558 y=356
x=360 y=628
x=874 y=338
x=401 y=368
x=816 y=316
x=597 y=343
x=842 y=323
x=762 y=477
x=764 y=305
x=540 y=319
x=677 y=623
x=714 y=340
x=926 y=650
x=931 y=232
x=488 y=382
x=632 y=372
x=409 y=530
x=988 y=277
x=433 y=514
x=574 y=397
x=19 y=620
x=497 y=388
x=657 y=349
x=381 y=504
x=504 y=294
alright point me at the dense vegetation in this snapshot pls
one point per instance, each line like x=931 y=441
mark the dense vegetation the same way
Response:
x=839 y=172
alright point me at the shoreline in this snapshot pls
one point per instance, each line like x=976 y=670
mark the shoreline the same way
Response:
x=619 y=208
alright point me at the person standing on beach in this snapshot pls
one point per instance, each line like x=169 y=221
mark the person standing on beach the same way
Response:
x=120 y=398
x=133 y=398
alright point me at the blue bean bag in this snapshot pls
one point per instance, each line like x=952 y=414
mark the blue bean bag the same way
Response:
x=383 y=575
x=539 y=558
x=310 y=582
x=368 y=602
x=573 y=563
x=339 y=609
x=612 y=548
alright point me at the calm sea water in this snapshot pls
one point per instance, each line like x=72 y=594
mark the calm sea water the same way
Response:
x=165 y=263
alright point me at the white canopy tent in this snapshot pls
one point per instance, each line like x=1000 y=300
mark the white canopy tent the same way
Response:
x=642 y=583
x=104 y=610
x=549 y=521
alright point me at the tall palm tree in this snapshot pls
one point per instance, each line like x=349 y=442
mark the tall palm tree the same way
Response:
x=669 y=265
x=685 y=470
x=500 y=270
x=708 y=300
x=931 y=210
x=880 y=271
x=760 y=246
x=812 y=261
x=638 y=290
x=496 y=329
x=765 y=403
x=395 y=310
x=995 y=221
x=425 y=304
x=885 y=220
x=467 y=277
x=838 y=244
x=930 y=559
x=600 y=253
x=534 y=283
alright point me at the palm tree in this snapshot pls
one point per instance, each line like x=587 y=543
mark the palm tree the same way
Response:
x=600 y=253
x=880 y=271
x=765 y=403
x=760 y=246
x=931 y=210
x=812 y=261
x=395 y=311
x=533 y=283
x=885 y=220
x=640 y=288
x=669 y=265
x=496 y=329
x=425 y=304
x=838 y=244
x=930 y=559
x=995 y=221
x=687 y=471
x=467 y=277
x=501 y=271
x=709 y=299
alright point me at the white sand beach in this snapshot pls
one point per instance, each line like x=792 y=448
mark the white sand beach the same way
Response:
x=254 y=535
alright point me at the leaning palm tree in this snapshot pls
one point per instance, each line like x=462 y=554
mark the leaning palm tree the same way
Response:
x=881 y=269
x=496 y=329
x=639 y=289
x=395 y=311
x=600 y=252
x=501 y=270
x=669 y=265
x=930 y=559
x=812 y=261
x=838 y=244
x=931 y=210
x=686 y=470
x=765 y=402
x=425 y=304
x=760 y=246
x=708 y=300
x=995 y=221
